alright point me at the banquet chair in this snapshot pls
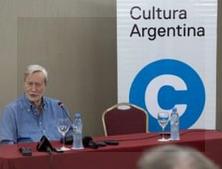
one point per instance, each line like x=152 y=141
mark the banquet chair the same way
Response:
x=124 y=118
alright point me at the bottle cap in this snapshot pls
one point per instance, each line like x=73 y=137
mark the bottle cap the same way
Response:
x=77 y=114
x=174 y=109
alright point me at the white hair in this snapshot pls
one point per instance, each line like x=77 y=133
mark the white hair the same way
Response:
x=175 y=157
x=30 y=69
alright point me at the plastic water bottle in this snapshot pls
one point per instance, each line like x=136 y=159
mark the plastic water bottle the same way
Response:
x=174 y=125
x=77 y=132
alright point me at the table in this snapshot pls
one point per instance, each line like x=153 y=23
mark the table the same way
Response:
x=123 y=156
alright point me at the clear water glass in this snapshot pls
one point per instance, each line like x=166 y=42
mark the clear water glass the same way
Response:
x=163 y=119
x=63 y=126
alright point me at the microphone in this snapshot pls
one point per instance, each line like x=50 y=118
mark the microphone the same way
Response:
x=44 y=145
x=88 y=142
x=61 y=105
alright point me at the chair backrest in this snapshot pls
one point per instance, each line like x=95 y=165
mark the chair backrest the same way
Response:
x=124 y=118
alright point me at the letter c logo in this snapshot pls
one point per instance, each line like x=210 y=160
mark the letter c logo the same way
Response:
x=166 y=83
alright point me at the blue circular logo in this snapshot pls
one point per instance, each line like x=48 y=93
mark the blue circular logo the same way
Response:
x=165 y=84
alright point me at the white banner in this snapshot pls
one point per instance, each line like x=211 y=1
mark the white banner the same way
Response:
x=167 y=58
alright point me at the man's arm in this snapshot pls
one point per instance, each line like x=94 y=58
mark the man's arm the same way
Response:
x=7 y=126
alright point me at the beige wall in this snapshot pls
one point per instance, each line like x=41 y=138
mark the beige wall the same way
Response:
x=76 y=41
x=80 y=55
x=219 y=67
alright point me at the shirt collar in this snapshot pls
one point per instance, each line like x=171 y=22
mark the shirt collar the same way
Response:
x=30 y=106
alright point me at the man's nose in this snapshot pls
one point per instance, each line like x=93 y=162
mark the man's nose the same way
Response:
x=33 y=87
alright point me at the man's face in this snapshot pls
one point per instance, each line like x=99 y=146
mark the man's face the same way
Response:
x=34 y=87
